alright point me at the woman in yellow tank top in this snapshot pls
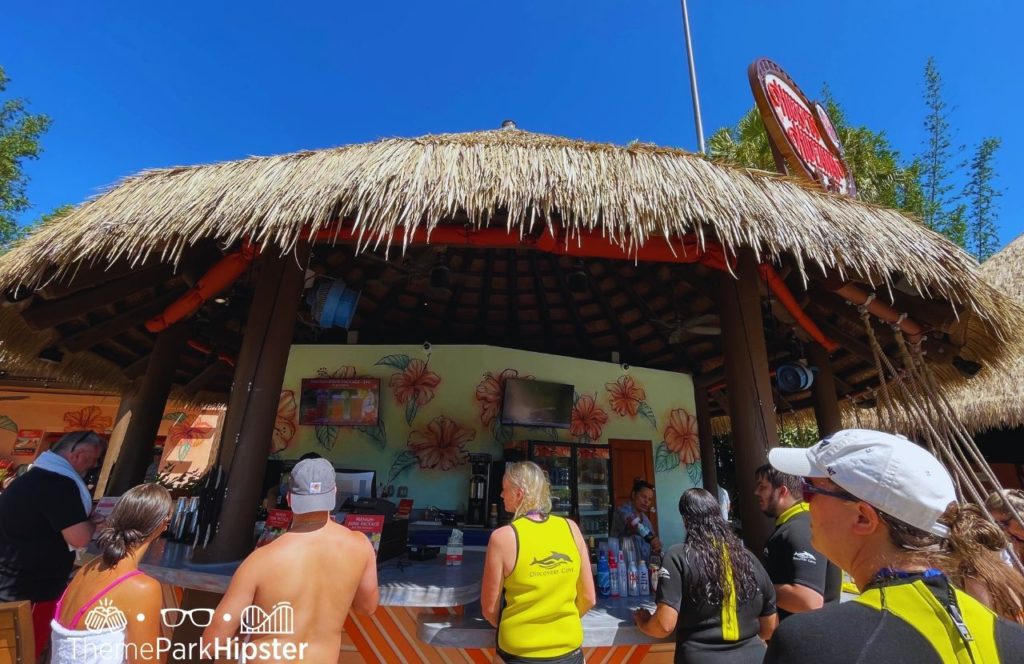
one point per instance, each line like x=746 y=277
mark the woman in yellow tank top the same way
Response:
x=537 y=582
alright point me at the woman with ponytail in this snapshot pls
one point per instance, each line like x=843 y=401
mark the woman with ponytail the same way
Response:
x=110 y=613
x=712 y=592
x=973 y=561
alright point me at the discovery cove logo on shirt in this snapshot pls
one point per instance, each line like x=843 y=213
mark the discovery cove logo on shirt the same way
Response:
x=556 y=563
x=253 y=622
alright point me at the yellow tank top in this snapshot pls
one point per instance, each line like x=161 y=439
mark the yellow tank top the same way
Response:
x=540 y=618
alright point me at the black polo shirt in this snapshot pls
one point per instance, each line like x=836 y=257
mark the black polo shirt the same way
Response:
x=35 y=561
x=790 y=558
x=699 y=628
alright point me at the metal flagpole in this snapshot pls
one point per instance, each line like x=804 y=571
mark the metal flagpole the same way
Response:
x=693 y=78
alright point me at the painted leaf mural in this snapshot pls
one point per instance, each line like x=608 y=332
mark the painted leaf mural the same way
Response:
x=7 y=424
x=90 y=417
x=404 y=461
x=344 y=371
x=177 y=417
x=645 y=411
x=442 y=444
x=326 y=436
x=665 y=459
x=587 y=420
x=681 y=435
x=695 y=471
x=399 y=362
x=377 y=435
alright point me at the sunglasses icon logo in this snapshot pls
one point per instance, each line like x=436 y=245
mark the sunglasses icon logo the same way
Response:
x=177 y=617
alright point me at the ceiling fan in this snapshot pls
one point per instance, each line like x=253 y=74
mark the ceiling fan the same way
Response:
x=680 y=328
x=427 y=265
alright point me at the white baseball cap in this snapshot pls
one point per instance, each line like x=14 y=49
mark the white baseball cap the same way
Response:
x=888 y=472
x=313 y=486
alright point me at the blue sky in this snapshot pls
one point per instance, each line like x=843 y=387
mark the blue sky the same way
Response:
x=140 y=85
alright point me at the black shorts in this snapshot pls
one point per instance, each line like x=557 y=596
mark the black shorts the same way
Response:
x=574 y=657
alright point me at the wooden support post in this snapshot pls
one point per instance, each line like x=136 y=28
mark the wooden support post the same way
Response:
x=252 y=404
x=147 y=408
x=121 y=421
x=708 y=463
x=749 y=387
x=823 y=391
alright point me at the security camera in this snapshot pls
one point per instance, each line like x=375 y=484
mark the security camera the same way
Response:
x=426 y=346
x=625 y=366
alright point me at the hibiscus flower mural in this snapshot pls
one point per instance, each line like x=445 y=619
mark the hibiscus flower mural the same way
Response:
x=489 y=395
x=285 y=424
x=681 y=444
x=627 y=398
x=587 y=419
x=442 y=444
x=89 y=418
x=414 y=386
x=183 y=437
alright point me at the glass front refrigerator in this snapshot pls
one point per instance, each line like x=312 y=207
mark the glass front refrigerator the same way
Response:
x=580 y=477
x=557 y=461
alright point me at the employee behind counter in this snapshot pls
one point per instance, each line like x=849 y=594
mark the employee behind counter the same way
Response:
x=631 y=520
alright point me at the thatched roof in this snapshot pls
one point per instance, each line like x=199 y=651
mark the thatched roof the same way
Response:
x=995 y=398
x=506 y=178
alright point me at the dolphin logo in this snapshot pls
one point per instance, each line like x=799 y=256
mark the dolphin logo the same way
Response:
x=556 y=559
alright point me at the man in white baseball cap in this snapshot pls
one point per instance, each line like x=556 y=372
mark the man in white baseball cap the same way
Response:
x=875 y=503
x=319 y=569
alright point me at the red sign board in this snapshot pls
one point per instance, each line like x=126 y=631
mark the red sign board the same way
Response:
x=795 y=126
x=340 y=401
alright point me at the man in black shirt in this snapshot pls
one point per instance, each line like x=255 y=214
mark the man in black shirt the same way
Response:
x=43 y=515
x=875 y=506
x=804 y=579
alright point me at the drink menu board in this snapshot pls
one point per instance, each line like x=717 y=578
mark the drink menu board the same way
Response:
x=371 y=524
x=278 y=523
x=340 y=402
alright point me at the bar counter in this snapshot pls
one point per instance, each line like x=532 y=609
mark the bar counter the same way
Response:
x=428 y=612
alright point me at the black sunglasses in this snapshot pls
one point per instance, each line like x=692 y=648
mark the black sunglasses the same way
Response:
x=812 y=490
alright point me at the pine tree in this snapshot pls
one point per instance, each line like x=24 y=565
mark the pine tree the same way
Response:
x=935 y=170
x=980 y=192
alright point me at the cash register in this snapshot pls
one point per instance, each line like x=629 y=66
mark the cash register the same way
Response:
x=357 y=494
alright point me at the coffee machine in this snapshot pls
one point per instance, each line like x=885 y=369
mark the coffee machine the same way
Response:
x=476 y=512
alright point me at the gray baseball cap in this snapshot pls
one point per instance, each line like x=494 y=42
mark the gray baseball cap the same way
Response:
x=313 y=488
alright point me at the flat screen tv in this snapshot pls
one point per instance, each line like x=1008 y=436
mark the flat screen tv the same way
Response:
x=537 y=404
x=340 y=402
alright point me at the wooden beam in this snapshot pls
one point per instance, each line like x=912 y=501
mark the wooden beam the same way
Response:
x=91 y=336
x=570 y=305
x=205 y=377
x=823 y=391
x=485 y=294
x=371 y=328
x=252 y=405
x=541 y=295
x=638 y=302
x=138 y=367
x=849 y=342
x=708 y=461
x=754 y=428
x=512 y=296
x=42 y=314
x=632 y=355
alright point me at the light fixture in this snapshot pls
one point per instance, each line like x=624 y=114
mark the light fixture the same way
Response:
x=51 y=354
x=220 y=300
x=578 y=280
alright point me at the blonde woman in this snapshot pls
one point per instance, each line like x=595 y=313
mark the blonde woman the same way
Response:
x=536 y=573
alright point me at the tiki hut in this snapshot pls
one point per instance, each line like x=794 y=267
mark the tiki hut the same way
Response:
x=504 y=237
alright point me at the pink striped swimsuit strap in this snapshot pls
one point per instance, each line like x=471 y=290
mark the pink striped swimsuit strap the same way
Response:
x=95 y=598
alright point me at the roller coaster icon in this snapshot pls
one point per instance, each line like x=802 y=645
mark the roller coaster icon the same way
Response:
x=279 y=620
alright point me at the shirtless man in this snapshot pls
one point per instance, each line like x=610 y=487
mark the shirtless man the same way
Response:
x=320 y=568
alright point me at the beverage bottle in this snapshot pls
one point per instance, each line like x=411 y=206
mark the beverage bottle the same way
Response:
x=492 y=520
x=633 y=579
x=643 y=583
x=604 y=581
x=623 y=575
x=593 y=557
x=641 y=529
x=655 y=565
x=613 y=573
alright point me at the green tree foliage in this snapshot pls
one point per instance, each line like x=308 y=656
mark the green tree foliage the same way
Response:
x=20 y=131
x=873 y=162
x=935 y=160
x=981 y=194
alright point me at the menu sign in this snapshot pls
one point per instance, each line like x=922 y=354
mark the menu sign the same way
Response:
x=278 y=523
x=796 y=128
x=370 y=524
x=340 y=402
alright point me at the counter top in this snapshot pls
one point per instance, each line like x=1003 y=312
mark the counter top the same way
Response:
x=402 y=582
x=609 y=623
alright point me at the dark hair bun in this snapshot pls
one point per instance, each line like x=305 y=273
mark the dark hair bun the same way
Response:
x=115 y=544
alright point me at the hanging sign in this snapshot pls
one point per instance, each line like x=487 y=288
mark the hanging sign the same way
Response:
x=796 y=128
